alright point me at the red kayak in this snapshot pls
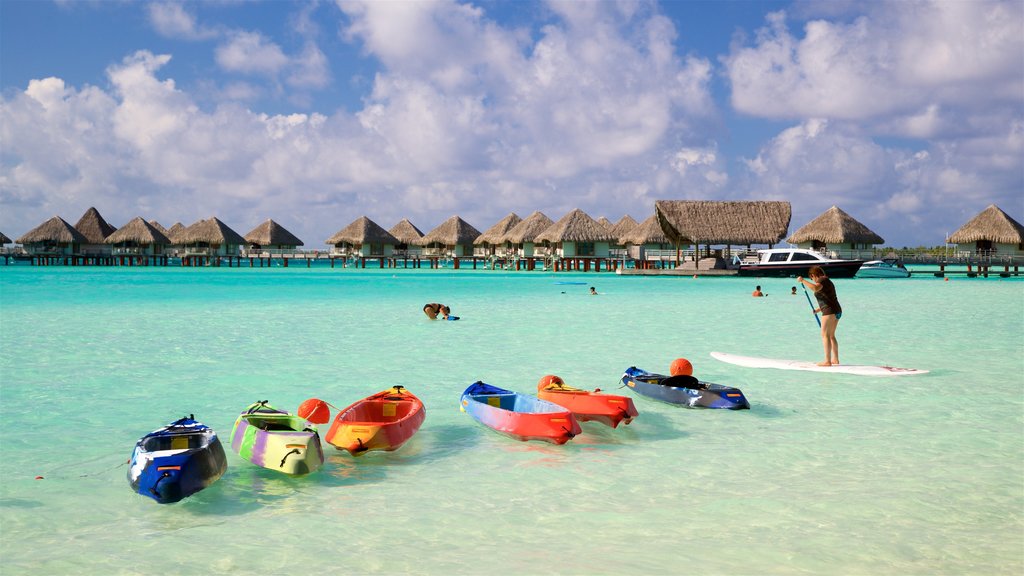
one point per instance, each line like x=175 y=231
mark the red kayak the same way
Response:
x=596 y=406
x=384 y=421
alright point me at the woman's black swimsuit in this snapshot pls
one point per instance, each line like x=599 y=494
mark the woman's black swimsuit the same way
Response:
x=827 y=299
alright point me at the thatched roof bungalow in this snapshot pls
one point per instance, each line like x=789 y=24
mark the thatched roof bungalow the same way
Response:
x=209 y=237
x=992 y=232
x=95 y=229
x=4 y=239
x=173 y=232
x=160 y=227
x=53 y=237
x=624 y=226
x=522 y=238
x=138 y=237
x=407 y=235
x=363 y=237
x=494 y=236
x=835 y=231
x=272 y=237
x=645 y=236
x=578 y=235
x=731 y=223
x=454 y=237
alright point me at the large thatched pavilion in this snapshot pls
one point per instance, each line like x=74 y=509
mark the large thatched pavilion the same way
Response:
x=272 y=238
x=487 y=244
x=55 y=237
x=838 y=234
x=991 y=233
x=362 y=238
x=96 y=230
x=730 y=223
x=452 y=239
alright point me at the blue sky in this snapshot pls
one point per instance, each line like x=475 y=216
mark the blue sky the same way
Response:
x=908 y=115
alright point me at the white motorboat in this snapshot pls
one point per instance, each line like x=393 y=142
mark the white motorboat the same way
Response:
x=885 y=268
x=785 y=262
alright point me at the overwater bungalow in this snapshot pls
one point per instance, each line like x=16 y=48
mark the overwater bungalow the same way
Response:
x=407 y=235
x=730 y=223
x=838 y=235
x=522 y=238
x=452 y=239
x=647 y=244
x=363 y=238
x=270 y=238
x=624 y=226
x=578 y=239
x=160 y=227
x=55 y=237
x=4 y=239
x=209 y=238
x=990 y=234
x=138 y=238
x=174 y=230
x=96 y=230
x=492 y=241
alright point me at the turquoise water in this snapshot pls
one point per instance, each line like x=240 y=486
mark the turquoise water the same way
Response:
x=826 y=473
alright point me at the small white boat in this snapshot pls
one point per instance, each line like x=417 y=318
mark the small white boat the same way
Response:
x=885 y=268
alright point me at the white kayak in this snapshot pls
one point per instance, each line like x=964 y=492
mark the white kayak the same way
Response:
x=860 y=370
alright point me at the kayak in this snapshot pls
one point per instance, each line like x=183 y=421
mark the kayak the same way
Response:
x=587 y=406
x=517 y=415
x=856 y=369
x=684 y=390
x=174 y=462
x=277 y=440
x=384 y=421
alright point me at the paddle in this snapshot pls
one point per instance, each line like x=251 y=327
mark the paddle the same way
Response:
x=813 y=311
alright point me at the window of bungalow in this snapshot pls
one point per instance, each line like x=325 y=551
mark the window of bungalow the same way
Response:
x=376 y=248
x=585 y=249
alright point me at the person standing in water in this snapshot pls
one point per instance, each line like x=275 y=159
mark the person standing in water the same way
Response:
x=831 y=312
x=757 y=292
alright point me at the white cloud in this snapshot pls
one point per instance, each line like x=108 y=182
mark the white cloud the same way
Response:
x=170 y=19
x=250 y=53
x=915 y=68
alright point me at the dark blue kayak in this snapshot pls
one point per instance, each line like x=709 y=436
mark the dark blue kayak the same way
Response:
x=684 y=390
x=176 y=461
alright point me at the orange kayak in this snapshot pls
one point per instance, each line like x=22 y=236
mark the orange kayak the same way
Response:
x=608 y=409
x=384 y=421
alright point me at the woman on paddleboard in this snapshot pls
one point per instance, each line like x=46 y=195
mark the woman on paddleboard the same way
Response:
x=831 y=312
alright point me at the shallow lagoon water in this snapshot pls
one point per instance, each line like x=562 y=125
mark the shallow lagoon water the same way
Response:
x=827 y=473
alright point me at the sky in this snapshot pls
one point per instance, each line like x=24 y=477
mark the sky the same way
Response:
x=908 y=115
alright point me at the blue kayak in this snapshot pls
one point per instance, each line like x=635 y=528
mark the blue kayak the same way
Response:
x=518 y=415
x=176 y=461
x=684 y=390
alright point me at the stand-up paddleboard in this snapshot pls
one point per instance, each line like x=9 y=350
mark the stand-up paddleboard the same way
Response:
x=860 y=370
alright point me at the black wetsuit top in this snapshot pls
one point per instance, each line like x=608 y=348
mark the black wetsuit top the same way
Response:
x=827 y=300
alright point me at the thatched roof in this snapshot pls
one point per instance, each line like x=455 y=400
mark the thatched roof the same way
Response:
x=405 y=232
x=835 y=227
x=496 y=234
x=159 y=227
x=140 y=232
x=991 y=224
x=271 y=233
x=94 y=227
x=175 y=230
x=734 y=223
x=529 y=229
x=53 y=230
x=647 y=232
x=452 y=231
x=624 y=226
x=605 y=222
x=4 y=239
x=576 y=226
x=363 y=231
x=210 y=231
